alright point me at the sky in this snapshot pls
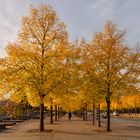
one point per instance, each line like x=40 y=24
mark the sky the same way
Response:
x=82 y=17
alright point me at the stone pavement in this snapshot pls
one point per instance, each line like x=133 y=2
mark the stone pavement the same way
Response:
x=64 y=129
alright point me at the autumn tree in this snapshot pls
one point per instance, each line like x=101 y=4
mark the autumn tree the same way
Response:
x=115 y=63
x=35 y=64
x=91 y=82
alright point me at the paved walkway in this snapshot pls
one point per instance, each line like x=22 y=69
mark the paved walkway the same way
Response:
x=64 y=129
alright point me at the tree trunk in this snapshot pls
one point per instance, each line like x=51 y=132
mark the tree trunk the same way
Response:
x=51 y=115
x=108 y=113
x=83 y=113
x=135 y=111
x=93 y=111
x=58 y=112
x=86 y=113
x=55 y=112
x=99 y=119
x=42 y=117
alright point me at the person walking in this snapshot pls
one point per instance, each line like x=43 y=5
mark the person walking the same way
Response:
x=69 y=115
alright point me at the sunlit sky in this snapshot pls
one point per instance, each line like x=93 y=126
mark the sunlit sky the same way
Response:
x=82 y=17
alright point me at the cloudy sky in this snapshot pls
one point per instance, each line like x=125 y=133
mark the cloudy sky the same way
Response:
x=82 y=17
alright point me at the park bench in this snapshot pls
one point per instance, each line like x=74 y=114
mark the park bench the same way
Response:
x=14 y=121
x=8 y=123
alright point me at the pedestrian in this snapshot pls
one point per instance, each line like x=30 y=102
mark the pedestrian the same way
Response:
x=69 y=115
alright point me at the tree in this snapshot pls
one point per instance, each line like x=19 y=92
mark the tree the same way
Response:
x=115 y=63
x=35 y=62
x=91 y=80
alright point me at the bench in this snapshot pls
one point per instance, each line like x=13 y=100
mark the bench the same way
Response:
x=8 y=123
x=14 y=121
